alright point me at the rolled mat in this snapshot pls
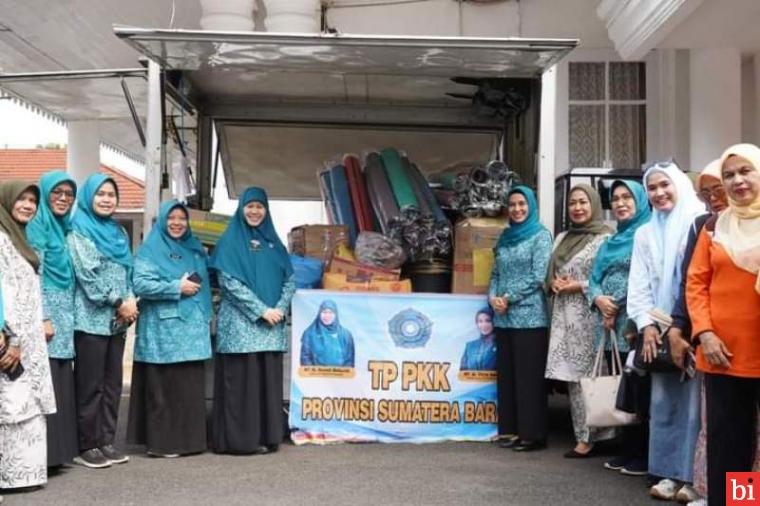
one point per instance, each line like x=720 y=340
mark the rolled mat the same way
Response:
x=359 y=197
x=402 y=187
x=427 y=192
x=380 y=194
x=342 y=196
x=416 y=185
x=325 y=188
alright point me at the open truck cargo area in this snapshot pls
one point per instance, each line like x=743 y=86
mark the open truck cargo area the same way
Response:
x=284 y=104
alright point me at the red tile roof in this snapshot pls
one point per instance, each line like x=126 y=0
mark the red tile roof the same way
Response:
x=30 y=164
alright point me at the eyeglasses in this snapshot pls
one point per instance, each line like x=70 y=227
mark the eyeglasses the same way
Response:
x=62 y=194
x=714 y=192
x=662 y=164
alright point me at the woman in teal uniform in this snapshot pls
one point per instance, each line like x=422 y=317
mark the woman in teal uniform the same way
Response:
x=256 y=280
x=104 y=306
x=46 y=233
x=326 y=342
x=167 y=411
x=516 y=294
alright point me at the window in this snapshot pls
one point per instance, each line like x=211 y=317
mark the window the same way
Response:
x=607 y=114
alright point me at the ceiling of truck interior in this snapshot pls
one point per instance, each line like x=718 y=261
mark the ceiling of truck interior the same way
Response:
x=401 y=85
x=230 y=66
x=234 y=76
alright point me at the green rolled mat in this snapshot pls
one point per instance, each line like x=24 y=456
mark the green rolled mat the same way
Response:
x=399 y=180
x=409 y=170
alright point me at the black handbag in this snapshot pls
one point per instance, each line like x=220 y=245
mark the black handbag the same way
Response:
x=663 y=362
x=634 y=393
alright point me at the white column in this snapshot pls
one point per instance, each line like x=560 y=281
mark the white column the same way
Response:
x=547 y=160
x=292 y=16
x=715 y=103
x=83 y=150
x=152 y=148
x=232 y=15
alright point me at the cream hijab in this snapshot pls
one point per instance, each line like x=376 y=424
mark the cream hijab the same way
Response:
x=738 y=227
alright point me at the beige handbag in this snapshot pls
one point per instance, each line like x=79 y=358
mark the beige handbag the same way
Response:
x=600 y=391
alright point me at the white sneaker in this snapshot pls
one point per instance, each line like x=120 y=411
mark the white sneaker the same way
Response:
x=687 y=494
x=702 y=501
x=162 y=455
x=666 y=489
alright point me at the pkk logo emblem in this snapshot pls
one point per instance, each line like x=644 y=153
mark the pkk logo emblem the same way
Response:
x=410 y=329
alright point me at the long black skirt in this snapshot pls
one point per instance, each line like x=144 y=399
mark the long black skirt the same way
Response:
x=167 y=407
x=62 y=443
x=247 y=402
x=521 y=388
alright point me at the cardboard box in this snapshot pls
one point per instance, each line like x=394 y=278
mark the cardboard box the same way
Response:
x=309 y=240
x=339 y=282
x=208 y=227
x=474 y=238
x=354 y=271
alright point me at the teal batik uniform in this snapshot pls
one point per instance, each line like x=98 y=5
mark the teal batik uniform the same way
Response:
x=519 y=271
x=609 y=274
x=171 y=327
x=255 y=275
x=240 y=328
x=102 y=260
x=100 y=283
x=46 y=233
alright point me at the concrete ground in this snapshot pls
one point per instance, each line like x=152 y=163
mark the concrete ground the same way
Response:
x=350 y=474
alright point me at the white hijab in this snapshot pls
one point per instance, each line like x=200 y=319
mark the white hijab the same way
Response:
x=670 y=230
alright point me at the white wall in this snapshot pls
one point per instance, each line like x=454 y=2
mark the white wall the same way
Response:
x=749 y=100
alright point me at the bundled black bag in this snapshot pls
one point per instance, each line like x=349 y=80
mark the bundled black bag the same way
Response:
x=634 y=393
x=662 y=362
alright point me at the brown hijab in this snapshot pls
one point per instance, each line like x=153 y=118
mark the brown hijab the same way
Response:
x=578 y=235
x=10 y=191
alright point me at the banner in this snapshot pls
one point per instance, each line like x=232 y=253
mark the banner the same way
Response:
x=391 y=368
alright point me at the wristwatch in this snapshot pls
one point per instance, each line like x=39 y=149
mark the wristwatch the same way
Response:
x=117 y=303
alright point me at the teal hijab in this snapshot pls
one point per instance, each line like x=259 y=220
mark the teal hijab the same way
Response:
x=47 y=234
x=519 y=232
x=108 y=236
x=254 y=255
x=620 y=245
x=176 y=257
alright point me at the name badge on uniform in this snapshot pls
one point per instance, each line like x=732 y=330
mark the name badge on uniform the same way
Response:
x=175 y=256
x=255 y=245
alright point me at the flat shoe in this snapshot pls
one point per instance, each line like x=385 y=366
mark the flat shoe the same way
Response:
x=261 y=450
x=572 y=454
x=509 y=443
x=529 y=446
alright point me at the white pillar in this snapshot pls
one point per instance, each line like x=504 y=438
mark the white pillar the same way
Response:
x=547 y=160
x=232 y=15
x=715 y=102
x=292 y=16
x=83 y=150
x=152 y=148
